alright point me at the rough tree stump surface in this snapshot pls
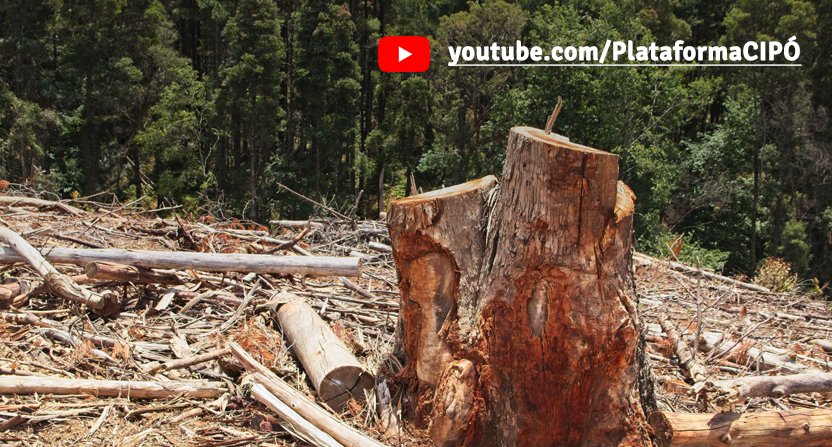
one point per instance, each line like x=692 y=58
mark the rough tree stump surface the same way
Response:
x=518 y=307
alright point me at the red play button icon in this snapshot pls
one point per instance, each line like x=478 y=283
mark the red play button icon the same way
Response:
x=403 y=54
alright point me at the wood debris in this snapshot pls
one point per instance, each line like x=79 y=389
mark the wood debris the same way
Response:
x=755 y=354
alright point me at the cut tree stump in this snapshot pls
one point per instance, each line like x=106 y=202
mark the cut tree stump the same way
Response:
x=518 y=311
x=806 y=428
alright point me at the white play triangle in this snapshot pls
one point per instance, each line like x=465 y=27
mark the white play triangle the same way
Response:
x=404 y=54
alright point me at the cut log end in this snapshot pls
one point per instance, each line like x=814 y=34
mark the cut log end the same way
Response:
x=486 y=182
x=335 y=373
x=345 y=383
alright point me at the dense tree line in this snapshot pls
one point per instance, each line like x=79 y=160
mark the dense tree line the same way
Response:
x=201 y=102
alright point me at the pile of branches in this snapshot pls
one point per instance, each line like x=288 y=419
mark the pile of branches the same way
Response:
x=121 y=327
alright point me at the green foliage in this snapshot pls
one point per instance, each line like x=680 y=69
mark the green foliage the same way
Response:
x=690 y=251
x=202 y=102
x=794 y=249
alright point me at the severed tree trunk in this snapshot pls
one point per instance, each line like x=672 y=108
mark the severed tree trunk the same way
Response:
x=518 y=311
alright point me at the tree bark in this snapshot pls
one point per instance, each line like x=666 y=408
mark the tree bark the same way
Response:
x=806 y=428
x=108 y=271
x=520 y=324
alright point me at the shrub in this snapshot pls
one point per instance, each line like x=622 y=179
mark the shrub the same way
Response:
x=776 y=274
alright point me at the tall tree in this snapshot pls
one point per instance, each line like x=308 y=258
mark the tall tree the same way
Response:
x=249 y=98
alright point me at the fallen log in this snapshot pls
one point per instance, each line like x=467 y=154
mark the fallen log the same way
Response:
x=826 y=345
x=679 y=267
x=758 y=358
x=109 y=388
x=807 y=428
x=298 y=426
x=40 y=203
x=377 y=246
x=310 y=411
x=763 y=358
x=683 y=352
x=108 y=271
x=296 y=223
x=62 y=285
x=776 y=386
x=208 y=262
x=335 y=373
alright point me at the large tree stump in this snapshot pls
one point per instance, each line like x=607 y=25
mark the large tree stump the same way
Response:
x=518 y=311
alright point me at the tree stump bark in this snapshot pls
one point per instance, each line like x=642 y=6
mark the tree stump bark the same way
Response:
x=518 y=312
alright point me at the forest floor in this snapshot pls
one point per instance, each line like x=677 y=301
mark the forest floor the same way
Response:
x=208 y=310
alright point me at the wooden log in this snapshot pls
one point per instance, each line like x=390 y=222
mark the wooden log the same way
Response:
x=208 y=262
x=335 y=373
x=826 y=345
x=776 y=386
x=299 y=426
x=679 y=267
x=806 y=428
x=296 y=223
x=109 y=388
x=683 y=352
x=310 y=411
x=377 y=246
x=108 y=271
x=761 y=359
x=40 y=203
x=60 y=284
x=518 y=307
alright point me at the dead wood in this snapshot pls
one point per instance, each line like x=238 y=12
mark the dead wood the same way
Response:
x=16 y=385
x=678 y=266
x=190 y=360
x=684 y=353
x=59 y=283
x=208 y=262
x=775 y=386
x=766 y=429
x=108 y=271
x=307 y=409
x=297 y=425
x=40 y=203
x=335 y=372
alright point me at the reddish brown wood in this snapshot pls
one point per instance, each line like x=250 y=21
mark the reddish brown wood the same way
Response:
x=520 y=325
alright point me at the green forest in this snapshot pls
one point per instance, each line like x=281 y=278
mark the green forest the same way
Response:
x=214 y=104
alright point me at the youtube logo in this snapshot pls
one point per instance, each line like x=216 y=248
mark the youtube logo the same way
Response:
x=403 y=54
